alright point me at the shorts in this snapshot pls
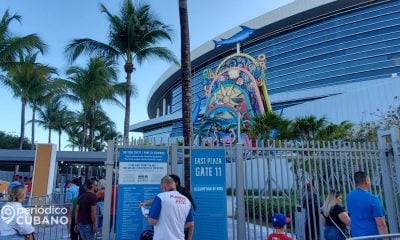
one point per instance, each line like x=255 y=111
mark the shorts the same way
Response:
x=85 y=231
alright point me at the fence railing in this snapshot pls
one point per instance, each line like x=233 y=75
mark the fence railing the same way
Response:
x=51 y=221
x=289 y=177
x=395 y=236
x=282 y=177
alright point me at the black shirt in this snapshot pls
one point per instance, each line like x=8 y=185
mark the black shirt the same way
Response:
x=334 y=213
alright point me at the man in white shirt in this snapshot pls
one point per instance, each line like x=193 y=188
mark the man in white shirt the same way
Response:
x=170 y=212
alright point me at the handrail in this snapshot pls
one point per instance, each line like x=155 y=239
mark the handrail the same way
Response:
x=383 y=236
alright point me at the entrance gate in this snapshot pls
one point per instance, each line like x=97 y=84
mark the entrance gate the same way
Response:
x=276 y=177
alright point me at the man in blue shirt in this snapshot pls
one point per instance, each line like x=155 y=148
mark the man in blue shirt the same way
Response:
x=72 y=191
x=71 y=200
x=365 y=209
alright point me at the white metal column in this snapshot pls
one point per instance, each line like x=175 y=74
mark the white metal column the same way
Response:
x=388 y=142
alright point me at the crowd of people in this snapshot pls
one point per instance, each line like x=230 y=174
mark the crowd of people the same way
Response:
x=172 y=211
x=20 y=180
x=365 y=215
x=172 y=217
x=86 y=207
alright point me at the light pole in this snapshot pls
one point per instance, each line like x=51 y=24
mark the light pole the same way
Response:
x=239 y=116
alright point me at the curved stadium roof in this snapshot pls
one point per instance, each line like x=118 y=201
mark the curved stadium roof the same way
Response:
x=280 y=19
x=294 y=17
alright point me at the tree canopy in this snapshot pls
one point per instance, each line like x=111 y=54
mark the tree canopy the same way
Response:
x=10 y=141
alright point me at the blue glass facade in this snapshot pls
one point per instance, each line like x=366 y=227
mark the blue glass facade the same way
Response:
x=357 y=45
x=347 y=47
x=341 y=47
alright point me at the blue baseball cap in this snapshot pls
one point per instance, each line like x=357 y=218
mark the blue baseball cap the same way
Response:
x=13 y=184
x=279 y=220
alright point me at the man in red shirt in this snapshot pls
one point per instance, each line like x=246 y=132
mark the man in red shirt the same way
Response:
x=279 y=222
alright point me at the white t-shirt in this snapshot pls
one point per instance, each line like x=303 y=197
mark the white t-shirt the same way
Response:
x=172 y=210
x=13 y=217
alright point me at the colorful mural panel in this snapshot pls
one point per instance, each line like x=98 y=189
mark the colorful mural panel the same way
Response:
x=234 y=93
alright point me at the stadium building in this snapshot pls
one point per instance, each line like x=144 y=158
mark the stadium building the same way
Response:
x=338 y=59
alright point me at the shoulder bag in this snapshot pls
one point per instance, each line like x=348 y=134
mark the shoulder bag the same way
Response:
x=345 y=233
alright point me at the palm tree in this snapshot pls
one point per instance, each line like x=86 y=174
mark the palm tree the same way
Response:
x=307 y=128
x=90 y=86
x=74 y=134
x=62 y=121
x=263 y=125
x=10 y=45
x=47 y=114
x=186 y=82
x=24 y=79
x=105 y=129
x=333 y=131
x=74 y=130
x=42 y=94
x=135 y=34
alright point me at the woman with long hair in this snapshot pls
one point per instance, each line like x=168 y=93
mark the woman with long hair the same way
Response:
x=183 y=190
x=15 y=220
x=334 y=217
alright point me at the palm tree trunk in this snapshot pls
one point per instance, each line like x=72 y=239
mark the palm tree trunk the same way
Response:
x=128 y=69
x=59 y=139
x=22 y=134
x=186 y=86
x=49 y=141
x=84 y=132
x=91 y=131
x=33 y=126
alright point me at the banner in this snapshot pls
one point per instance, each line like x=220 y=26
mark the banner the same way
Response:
x=140 y=173
x=209 y=192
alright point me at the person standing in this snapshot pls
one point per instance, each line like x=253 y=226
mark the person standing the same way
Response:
x=71 y=201
x=14 y=183
x=100 y=205
x=170 y=212
x=334 y=217
x=279 y=222
x=184 y=192
x=15 y=220
x=85 y=216
x=311 y=206
x=29 y=187
x=365 y=209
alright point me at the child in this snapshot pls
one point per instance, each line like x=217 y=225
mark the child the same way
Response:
x=279 y=222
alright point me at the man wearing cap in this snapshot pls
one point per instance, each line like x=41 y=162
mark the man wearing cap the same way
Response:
x=279 y=222
x=14 y=183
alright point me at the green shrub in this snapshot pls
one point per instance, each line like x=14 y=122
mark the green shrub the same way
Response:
x=260 y=208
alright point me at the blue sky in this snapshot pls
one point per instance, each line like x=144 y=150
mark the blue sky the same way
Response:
x=57 y=22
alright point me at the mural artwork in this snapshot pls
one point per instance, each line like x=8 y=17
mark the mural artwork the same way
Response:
x=234 y=93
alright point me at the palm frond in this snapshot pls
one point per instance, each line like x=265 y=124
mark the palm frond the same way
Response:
x=90 y=47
